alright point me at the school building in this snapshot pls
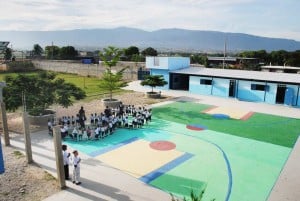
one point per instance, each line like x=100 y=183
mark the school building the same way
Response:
x=256 y=86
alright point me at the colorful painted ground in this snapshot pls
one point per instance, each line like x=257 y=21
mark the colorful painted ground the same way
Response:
x=231 y=154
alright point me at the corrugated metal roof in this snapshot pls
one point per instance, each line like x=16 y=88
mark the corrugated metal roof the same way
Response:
x=242 y=74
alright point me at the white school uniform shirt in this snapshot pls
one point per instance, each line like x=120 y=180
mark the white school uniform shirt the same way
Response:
x=76 y=160
x=66 y=157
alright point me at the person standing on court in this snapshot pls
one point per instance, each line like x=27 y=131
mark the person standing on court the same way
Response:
x=66 y=156
x=82 y=117
x=76 y=168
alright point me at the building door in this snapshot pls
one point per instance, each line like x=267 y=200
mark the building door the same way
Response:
x=289 y=96
x=280 y=93
x=232 y=84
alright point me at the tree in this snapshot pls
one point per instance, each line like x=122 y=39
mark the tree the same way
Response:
x=132 y=50
x=67 y=52
x=41 y=91
x=52 y=52
x=111 y=81
x=154 y=81
x=7 y=54
x=37 y=50
x=149 y=52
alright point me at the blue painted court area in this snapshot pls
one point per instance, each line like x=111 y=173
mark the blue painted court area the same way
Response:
x=227 y=167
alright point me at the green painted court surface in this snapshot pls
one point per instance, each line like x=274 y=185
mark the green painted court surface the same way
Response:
x=231 y=159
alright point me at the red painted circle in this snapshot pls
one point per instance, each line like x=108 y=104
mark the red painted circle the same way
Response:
x=162 y=145
x=194 y=128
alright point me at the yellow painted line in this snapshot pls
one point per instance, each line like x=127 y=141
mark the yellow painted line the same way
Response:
x=138 y=158
x=232 y=112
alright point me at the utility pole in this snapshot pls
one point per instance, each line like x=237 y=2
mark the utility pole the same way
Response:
x=224 y=52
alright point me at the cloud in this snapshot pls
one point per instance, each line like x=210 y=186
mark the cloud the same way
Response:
x=246 y=16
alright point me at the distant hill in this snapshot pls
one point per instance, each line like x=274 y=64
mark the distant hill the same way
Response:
x=171 y=39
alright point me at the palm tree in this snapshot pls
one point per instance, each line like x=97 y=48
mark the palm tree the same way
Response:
x=154 y=81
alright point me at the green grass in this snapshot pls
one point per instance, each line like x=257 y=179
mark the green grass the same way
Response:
x=88 y=84
x=18 y=154
x=267 y=128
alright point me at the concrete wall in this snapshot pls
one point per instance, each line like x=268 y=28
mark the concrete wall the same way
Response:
x=88 y=69
x=220 y=87
x=271 y=93
x=197 y=88
x=245 y=92
x=167 y=63
x=160 y=63
x=165 y=74
x=295 y=88
x=298 y=97
x=176 y=63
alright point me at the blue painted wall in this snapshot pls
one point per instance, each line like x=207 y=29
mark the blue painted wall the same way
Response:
x=245 y=92
x=295 y=88
x=271 y=93
x=176 y=63
x=162 y=62
x=197 y=88
x=298 y=99
x=167 y=63
x=165 y=74
x=220 y=87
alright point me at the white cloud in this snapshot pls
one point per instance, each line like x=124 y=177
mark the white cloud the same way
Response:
x=278 y=17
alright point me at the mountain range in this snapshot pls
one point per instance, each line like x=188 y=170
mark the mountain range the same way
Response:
x=163 y=39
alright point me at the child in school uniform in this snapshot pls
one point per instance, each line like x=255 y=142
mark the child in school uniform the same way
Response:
x=66 y=156
x=76 y=168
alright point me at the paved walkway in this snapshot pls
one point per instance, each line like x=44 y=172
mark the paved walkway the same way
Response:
x=101 y=182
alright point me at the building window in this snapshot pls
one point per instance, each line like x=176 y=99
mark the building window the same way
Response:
x=156 y=61
x=259 y=87
x=205 y=82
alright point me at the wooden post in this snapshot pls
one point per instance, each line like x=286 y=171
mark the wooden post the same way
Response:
x=27 y=138
x=59 y=157
x=4 y=124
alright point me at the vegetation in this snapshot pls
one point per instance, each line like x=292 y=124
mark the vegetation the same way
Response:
x=55 y=52
x=8 y=54
x=149 y=52
x=111 y=81
x=37 y=50
x=40 y=90
x=154 y=81
x=193 y=197
x=18 y=154
x=131 y=52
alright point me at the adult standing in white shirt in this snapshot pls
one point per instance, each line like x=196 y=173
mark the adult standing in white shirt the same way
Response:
x=66 y=156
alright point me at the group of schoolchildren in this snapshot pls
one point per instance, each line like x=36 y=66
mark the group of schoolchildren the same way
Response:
x=104 y=124
x=73 y=160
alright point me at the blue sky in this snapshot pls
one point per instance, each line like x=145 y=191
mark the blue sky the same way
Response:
x=271 y=18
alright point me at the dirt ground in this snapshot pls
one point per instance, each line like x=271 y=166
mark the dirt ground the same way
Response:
x=29 y=182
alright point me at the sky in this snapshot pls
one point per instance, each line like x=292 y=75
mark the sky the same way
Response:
x=270 y=18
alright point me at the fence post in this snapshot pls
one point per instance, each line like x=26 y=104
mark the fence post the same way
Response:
x=27 y=138
x=4 y=124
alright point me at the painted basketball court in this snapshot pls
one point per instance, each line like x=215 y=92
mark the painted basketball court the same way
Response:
x=185 y=147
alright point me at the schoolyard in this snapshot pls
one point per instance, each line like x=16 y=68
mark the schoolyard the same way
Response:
x=231 y=153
